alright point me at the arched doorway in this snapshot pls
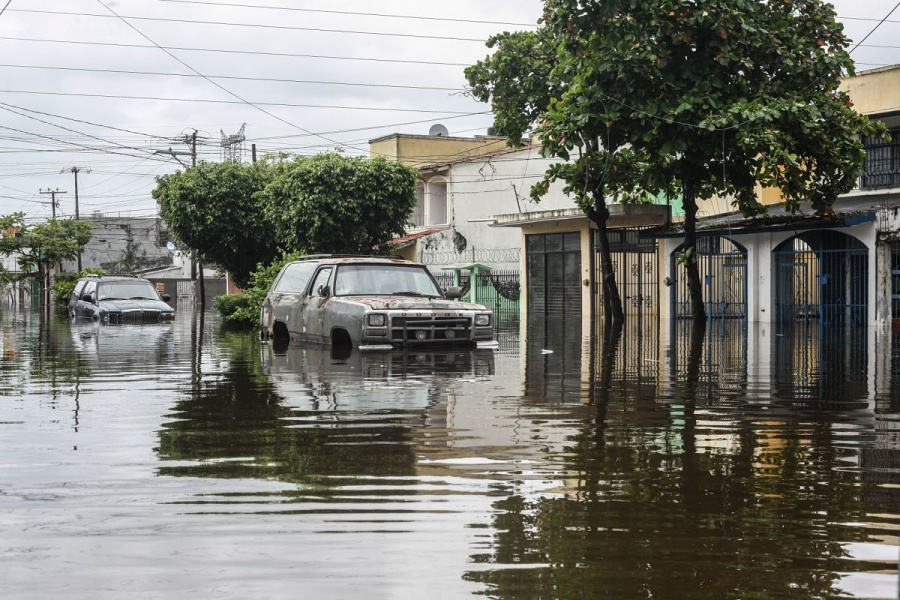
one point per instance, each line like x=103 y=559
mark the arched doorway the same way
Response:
x=822 y=276
x=723 y=270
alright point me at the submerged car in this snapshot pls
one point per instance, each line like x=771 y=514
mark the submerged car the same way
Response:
x=369 y=303
x=119 y=300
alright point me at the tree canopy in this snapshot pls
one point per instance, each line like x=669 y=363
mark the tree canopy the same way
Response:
x=214 y=209
x=712 y=97
x=242 y=216
x=332 y=203
x=43 y=244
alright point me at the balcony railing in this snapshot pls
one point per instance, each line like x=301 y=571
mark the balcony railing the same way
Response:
x=882 y=166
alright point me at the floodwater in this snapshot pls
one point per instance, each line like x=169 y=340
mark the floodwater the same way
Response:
x=180 y=461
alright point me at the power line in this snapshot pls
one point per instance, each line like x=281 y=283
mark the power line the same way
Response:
x=880 y=23
x=221 y=87
x=5 y=6
x=241 y=101
x=235 y=77
x=46 y=114
x=9 y=110
x=241 y=52
x=350 y=13
x=250 y=25
x=77 y=145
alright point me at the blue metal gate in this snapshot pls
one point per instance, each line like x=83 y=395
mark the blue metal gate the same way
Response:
x=822 y=276
x=723 y=270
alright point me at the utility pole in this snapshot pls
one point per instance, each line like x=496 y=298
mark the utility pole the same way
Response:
x=193 y=165
x=76 y=171
x=45 y=276
x=192 y=142
x=53 y=194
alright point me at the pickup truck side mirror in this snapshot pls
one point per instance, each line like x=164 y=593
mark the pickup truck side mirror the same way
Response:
x=166 y=297
x=324 y=291
x=453 y=293
x=89 y=298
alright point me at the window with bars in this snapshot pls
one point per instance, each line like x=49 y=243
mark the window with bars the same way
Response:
x=882 y=164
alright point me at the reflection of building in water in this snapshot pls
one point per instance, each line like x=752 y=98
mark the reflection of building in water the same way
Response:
x=808 y=364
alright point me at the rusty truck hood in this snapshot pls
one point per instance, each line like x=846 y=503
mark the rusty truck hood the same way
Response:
x=410 y=303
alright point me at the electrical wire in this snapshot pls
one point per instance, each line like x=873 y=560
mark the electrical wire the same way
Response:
x=248 y=25
x=240 y=52
x=349 y=13
x=240 y=101
x=235 y=77
x=874 y=29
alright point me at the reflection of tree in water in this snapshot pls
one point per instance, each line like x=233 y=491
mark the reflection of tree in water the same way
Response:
x=235 y=425
x=661 y=511
x=645 y=523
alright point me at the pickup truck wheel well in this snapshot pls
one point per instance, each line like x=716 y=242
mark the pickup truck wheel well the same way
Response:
x=340 y=337
x=280 y=331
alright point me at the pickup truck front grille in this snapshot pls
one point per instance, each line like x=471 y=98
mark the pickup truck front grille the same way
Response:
x=430 y=329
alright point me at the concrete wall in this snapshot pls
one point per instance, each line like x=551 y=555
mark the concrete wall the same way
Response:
x=132 y=243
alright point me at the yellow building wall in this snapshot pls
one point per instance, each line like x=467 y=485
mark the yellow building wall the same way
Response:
x=876 y=91
x=419 y=150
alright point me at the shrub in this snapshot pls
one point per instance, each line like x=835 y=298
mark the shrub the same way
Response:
x=242 y=311
x=229 y=304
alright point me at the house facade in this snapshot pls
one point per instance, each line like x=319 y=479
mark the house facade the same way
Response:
x=842 y=269
x=463 y=183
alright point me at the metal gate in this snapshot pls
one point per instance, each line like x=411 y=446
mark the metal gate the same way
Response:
x=636 y=269
x=723 y=271
x=822 y=276
x=554 y=274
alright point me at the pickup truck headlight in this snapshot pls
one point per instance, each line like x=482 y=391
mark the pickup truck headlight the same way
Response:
x=376 y=320
x=482 y=320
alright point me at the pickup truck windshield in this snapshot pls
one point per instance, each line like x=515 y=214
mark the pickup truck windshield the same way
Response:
x=384 y=280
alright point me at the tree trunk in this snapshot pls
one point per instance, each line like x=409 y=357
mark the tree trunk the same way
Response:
x=612 y=302
x=695 y=287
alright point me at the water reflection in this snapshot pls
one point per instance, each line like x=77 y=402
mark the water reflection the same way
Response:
x=304 y=413
x=643 y=462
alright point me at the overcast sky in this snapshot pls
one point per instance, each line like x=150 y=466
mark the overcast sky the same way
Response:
x=83 y=87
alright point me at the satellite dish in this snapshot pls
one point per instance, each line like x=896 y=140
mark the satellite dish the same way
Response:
x=170 y=246
x=438 y=131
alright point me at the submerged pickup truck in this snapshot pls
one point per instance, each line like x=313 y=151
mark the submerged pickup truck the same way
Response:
x=369 y=303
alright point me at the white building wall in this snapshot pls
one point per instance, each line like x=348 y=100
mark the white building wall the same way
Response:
x=761 y=275
x=480 y=189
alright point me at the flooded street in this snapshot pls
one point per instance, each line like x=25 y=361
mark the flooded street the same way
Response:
x=181 y=461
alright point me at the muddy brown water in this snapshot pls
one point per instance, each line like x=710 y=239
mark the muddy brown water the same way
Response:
x=181 y=461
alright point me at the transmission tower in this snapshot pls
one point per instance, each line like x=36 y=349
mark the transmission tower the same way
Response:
x=233 y=146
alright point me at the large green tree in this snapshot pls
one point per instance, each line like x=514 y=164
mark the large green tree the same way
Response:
x=534 y=84
x=722 y=95
x=214 y=209
x=42 y=245
x=332 y=203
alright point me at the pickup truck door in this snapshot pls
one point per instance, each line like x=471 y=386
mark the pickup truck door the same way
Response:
x=314 y=305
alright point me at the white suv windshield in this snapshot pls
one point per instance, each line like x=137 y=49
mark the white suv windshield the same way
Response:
x=126 y=290
x=384 y=280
